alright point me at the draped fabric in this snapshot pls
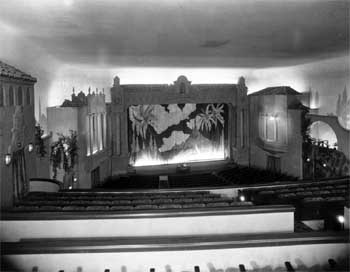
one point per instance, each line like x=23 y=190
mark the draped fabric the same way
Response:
x=177 y=133
x=19 y=175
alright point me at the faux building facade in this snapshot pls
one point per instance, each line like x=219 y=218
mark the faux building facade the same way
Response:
x=86 y=115
x=17 y=128
x=275 y=130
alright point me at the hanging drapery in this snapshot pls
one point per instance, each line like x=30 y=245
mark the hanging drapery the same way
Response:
x=177 y=133
x=19 y=175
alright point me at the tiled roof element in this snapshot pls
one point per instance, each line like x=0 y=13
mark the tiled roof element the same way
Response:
x=281 y=90
x=12 y=72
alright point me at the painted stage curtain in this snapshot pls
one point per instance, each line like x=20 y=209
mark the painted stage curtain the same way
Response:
x=176 y=133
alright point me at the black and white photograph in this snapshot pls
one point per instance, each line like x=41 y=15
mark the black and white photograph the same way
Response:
x=174 y=135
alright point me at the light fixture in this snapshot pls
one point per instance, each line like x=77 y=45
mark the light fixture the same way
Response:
x=340 y=219
x=324 y=165
x=75 y=179
x=241 y=196
x=70 y=187
x=30 y=147
x=308 y=159
x=8 y=159
x=272 y=118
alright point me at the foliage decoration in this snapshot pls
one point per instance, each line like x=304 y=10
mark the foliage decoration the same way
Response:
x=39 y=142
x=211 y=117
x=64 y=153
x=141 y=117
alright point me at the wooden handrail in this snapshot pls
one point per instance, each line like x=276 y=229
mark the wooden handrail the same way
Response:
x=172 y=243
x=215 y=211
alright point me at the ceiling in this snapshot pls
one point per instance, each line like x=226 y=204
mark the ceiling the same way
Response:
x=182 y=33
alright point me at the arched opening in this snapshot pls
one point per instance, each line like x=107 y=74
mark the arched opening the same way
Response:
x=182 y=88
x=28 y=96
x=323 y=133
x=19 y=96
x=321 y=159
x=11 y=96
x=1 y=96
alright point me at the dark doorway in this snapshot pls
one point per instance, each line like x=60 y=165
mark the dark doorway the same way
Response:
x=95 y=177
x=274 y=164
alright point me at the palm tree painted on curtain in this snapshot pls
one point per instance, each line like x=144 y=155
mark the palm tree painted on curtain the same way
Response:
x=211 y=122
x=141 y=116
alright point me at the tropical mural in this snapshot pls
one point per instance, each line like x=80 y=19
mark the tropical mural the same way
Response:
x=177 y=133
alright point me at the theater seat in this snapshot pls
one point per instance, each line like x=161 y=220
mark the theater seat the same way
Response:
x=193 y=205
x=73 y=208
x=121 y=208
x=217 y=204
x=170 y=206
x=97 y=208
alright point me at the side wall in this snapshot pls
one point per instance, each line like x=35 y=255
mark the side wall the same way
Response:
x=7 y=112
x=90 y=123
x=287 y=147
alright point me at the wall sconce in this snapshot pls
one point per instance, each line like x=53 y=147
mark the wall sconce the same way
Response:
x=272 y=118
x=241 y=196
x=8 y=159
x=30 y=147
x=341 y=219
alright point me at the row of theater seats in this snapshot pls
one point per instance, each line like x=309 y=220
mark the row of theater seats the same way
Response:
x=247 y=175
x=316 y=200
x=103 y=201
x=332 y=266
x=326 y=191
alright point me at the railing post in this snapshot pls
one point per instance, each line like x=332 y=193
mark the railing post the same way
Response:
x=242 y=268
x=332 y=264
x=289 y=267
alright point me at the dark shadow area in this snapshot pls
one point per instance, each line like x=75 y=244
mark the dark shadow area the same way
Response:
x=244 y=175
x=174 y=181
